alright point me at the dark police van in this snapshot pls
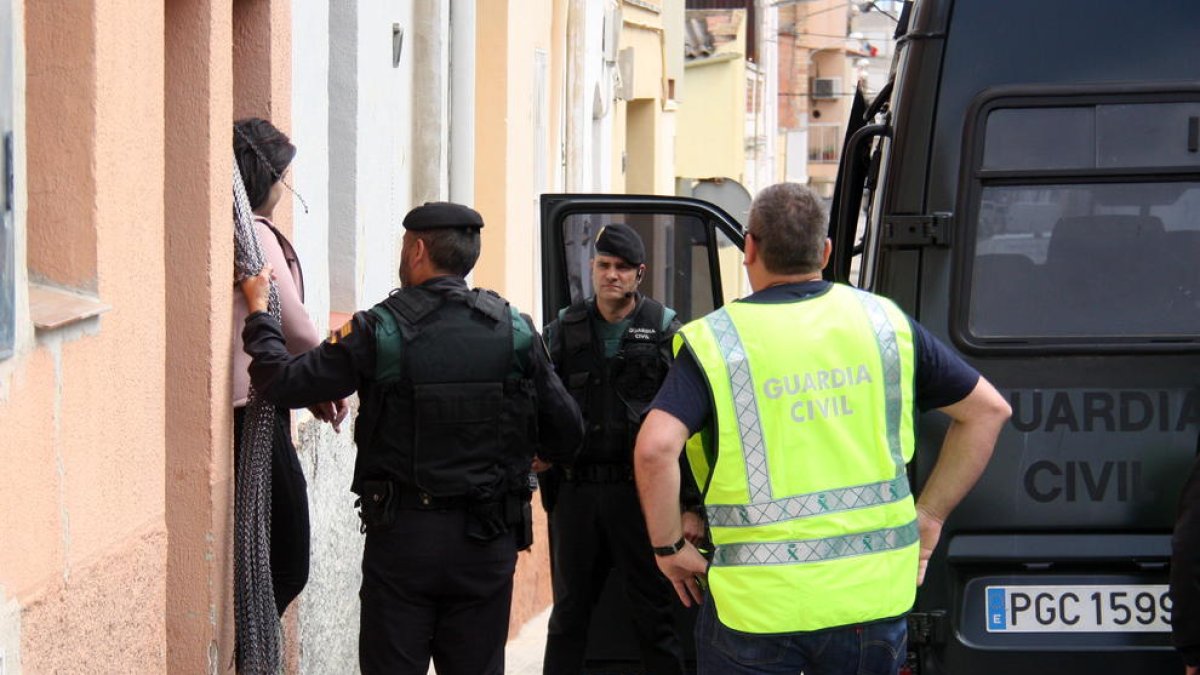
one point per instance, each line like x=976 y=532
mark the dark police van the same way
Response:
x=1030 y=179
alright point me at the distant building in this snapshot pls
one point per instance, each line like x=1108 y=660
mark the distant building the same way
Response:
x=816 y=84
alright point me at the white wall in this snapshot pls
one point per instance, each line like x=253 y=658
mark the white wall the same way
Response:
x=384 y=128
x=310 y=169
x=370 y=136
x=599 y=76
x=588 y=117
x=430 y=47
x=462 y=102
x=345 y=230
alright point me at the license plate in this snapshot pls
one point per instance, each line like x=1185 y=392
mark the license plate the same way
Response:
x=1144 y=608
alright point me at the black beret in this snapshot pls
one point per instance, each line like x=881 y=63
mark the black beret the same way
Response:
x=441 y=215
x=621 y=241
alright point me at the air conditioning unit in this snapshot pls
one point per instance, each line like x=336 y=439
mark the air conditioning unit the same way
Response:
x=826 y=87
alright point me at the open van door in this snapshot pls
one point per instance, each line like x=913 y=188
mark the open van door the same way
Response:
x=694 y=265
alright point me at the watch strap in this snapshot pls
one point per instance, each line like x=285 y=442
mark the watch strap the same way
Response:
x=662 y=551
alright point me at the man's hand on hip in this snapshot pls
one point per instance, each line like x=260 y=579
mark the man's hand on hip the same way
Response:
x=685 y=569
x=930 y=529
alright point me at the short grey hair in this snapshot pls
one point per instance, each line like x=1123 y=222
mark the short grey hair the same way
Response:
x=454 y=250
x=789 y=225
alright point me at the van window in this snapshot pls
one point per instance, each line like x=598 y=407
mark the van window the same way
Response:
x=678 y=271
x=1093 y=260
x=1105 y=136
x=1040 y=138
x=1082 y=221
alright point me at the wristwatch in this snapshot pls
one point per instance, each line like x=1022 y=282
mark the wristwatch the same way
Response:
x=663 y=551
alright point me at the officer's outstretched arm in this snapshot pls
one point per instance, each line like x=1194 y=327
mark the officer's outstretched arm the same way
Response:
x=328 y=372
x=975 y=423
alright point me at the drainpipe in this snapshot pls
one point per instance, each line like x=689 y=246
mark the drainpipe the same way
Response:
x=430 y=37
x=768 y=54
x=579 y=118
x=462 y=101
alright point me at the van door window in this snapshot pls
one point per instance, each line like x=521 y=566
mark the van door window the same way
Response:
x=678 y=267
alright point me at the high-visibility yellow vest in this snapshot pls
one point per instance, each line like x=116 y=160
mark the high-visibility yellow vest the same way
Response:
x=807 y=496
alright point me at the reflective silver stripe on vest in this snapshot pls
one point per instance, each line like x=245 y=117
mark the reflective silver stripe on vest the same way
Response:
x=889 y=352
x=754 y=449
x=811 y=504
x=816 y=550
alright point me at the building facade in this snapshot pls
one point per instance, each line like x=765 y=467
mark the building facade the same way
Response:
x=116 y=270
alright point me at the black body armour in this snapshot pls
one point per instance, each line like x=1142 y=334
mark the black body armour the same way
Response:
x=612 y=393
x=449 y=413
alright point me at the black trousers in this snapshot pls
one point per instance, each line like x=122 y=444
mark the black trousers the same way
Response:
x=290 y=533
x=430 y=592
x=596 y=526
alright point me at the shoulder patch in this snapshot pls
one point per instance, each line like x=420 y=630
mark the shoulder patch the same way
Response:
x=336 y=336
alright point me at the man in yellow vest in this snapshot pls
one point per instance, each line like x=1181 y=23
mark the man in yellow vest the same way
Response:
x=800 y=402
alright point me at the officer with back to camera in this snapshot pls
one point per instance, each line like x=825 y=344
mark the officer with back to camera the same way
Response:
x=612 y=351
x=457 y=397
x=806 y=395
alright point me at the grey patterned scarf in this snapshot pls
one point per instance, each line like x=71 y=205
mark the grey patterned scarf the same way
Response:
x=259 y=633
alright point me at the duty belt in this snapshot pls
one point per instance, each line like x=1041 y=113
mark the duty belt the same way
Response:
x=411 y=498
x=387 y=495
x=599 y=473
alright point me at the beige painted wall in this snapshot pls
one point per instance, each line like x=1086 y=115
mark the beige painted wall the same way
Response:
x=643 y=140
x=491 y=139
x=711 y=139
x=509 y=34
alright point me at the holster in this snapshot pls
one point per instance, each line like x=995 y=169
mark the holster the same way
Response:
x=485 y=520
x=490 y=519
x=376 y=505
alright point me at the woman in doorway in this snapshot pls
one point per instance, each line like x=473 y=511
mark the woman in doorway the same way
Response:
x=263 y=154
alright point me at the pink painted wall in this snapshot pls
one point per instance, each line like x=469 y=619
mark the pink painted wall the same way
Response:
x=262 y=71
x=83 y=416
x=199 y=244
x=117 y=430
x=61 y=236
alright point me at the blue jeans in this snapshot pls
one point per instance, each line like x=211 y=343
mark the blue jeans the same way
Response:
x=868 y=649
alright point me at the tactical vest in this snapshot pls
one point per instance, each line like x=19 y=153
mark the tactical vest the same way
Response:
x=612 y=393
x=449 y=412
x=809 y=506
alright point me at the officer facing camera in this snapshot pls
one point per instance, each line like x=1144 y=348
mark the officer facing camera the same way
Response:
x=612 y=351
x=457 y=398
